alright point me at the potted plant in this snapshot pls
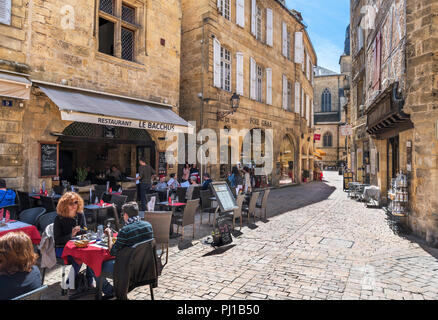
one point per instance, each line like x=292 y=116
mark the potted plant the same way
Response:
x=81 y=175
x=305 y=175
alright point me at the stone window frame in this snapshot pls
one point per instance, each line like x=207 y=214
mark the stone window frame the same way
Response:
x=326 y=100
x=119 y=24
x=226 y=68
x=327 y=139
x=260 y=71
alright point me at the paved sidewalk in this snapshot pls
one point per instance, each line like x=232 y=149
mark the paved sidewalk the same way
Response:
x=316 y=244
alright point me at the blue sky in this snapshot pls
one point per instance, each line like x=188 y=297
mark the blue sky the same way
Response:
x=326 y=22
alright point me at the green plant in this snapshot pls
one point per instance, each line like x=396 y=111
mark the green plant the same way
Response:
x=81 y=174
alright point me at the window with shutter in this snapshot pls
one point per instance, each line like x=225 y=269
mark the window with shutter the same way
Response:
x=259 y=84
x=253 y=79
x=303 y=103
x=240 y=13
x=284 y=105
x=299 y=47
x=284 y=39
x=224 y=7
x=5 y=12
x=239 y=73
x=297 y=97
x=289 y=96
x=308 y=110
x=225 y=69
x=269 y=86
x=253 y=17
x=216 y=63
x=269 y=27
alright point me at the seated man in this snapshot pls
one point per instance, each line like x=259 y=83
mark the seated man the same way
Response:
x=134 y=231
x=162 y=185
x=7 y=197
x=172 y=183
x=193 y=184
x=207 y=181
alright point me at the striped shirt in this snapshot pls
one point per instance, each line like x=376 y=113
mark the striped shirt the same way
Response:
x=132 y=234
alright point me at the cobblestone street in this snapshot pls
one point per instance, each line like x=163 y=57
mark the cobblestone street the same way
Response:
x=316 y=244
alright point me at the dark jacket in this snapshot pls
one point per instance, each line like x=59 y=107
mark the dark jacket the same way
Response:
x=206 y=184
x=135 y=266
x=15 y=285
x=62 y=228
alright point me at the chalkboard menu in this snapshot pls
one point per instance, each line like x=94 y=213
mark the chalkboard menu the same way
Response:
x=48 y=159
x=162 y=165
x=224 y=196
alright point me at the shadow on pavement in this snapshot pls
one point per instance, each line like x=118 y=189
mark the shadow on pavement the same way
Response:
x=219 y=250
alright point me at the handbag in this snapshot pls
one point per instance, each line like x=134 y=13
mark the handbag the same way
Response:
x=223 y=237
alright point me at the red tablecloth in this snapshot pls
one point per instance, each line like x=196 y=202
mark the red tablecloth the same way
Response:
x=92 y=256
x=28 y=229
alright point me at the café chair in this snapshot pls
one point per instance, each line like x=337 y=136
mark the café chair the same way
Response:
x=196 y=193
x=206 y=204
x=32 y=295
x=134 y=266
x=31 y=215
x=99 y=190
x=48 y=203
x=160 y=221
x=44 y=220
x=23 y=200
x=237 y=213
x=48 y=240
x=250 y=209
x=181 y=194
x=106 y=197
x=149 y=196
x=264 y=202
x=187 y=217
x=13 y=210
x=130 y=193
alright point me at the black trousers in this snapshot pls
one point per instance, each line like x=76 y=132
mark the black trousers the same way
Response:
x=142 y=190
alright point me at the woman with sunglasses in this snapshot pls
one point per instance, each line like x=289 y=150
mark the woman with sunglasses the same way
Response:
x=69 y=223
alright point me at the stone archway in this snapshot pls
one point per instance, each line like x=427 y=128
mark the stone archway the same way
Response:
x=287 y=161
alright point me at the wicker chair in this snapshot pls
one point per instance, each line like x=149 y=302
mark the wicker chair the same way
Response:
x=160 y=221
x=187 y=218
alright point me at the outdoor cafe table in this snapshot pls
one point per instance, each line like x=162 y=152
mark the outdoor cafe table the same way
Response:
x=93 y=255
x=38 y=196
x=14 y=226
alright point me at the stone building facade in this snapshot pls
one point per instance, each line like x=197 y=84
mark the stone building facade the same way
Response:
x=261 y=51
x=328 y=116
x=108 y=50
x=393 y=77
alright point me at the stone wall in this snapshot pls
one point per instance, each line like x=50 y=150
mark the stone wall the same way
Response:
x=421 y=104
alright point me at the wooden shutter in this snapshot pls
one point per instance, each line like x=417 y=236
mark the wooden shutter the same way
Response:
x=253 y=79
x=269 y=27
x=217 y=62
x=299 y=47
x=240 y=13
x=376 y=62
x=254 y=17
x=297 y=97
x=284 y=92
x=5 y=12
x=308 y=66
x=284 y=39
x=239 y=73
x=269 y=86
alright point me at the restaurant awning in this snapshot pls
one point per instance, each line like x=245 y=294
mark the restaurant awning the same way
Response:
x=321 y=153
x=111 y=110
x=13 y=85
x=317 y=156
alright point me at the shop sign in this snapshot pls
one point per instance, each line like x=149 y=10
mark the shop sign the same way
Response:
x=346 y=130
x=129 y=123
x=258 y=122
x=316 y=137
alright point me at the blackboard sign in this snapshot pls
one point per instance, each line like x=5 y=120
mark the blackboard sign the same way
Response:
x=162 y=165
x=224 y=196
x=48 y=159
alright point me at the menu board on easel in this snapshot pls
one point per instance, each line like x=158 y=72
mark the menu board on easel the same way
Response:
x=48 y=159
x=162 y=164
x=224 y=196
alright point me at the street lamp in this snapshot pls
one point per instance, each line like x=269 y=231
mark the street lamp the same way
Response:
x=234 y=103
